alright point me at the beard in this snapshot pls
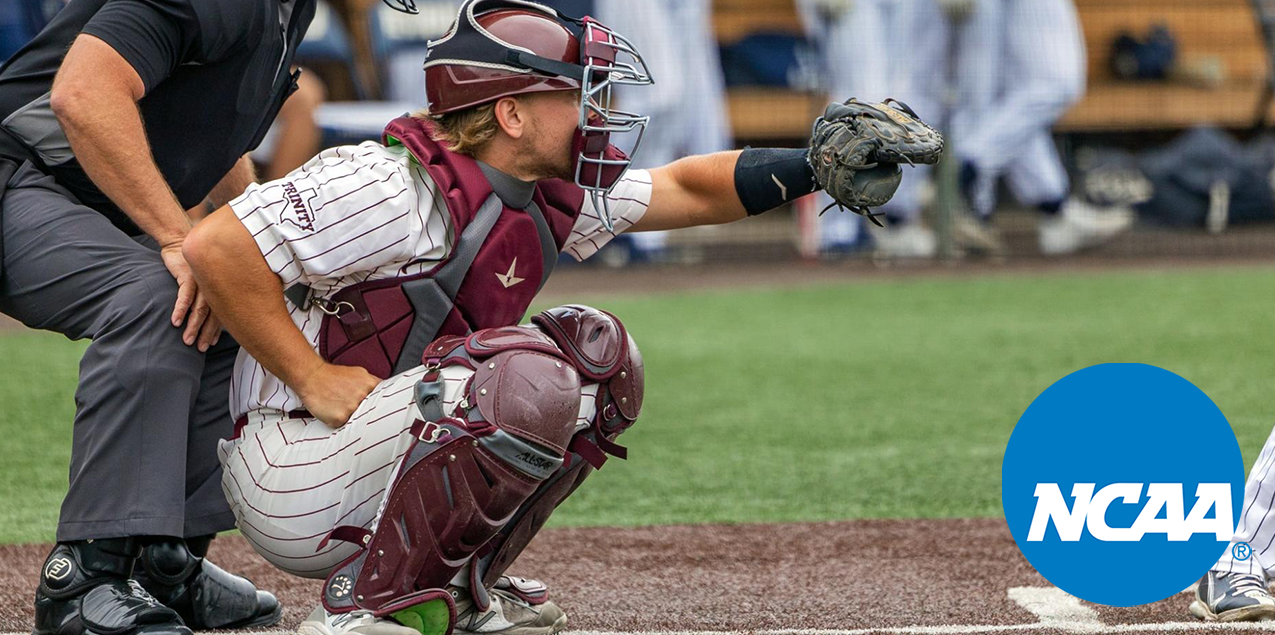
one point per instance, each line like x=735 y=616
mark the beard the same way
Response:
x=560 y=164
x=564 y=168
x=547 y=162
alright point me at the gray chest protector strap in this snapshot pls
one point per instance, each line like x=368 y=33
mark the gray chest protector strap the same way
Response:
x=434 y=298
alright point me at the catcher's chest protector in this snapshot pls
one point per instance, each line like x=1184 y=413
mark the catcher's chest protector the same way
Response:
x=506 y=237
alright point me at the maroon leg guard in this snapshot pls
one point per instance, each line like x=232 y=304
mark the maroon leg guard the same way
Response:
x=466 y=474
x=602 y=351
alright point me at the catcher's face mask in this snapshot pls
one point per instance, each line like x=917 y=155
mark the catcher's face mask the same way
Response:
x=609 y=61
x=480 y=59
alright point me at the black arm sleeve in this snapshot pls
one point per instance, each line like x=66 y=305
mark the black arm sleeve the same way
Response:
x=153 y=37
x=766 y=178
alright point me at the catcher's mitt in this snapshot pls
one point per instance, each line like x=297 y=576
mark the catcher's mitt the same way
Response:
x=856 y=149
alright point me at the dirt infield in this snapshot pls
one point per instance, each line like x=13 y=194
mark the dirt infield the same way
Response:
x=901 y=576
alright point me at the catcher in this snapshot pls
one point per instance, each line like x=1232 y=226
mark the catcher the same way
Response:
x=378 y=447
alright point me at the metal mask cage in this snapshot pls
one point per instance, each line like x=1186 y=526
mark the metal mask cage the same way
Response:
x=599 y=119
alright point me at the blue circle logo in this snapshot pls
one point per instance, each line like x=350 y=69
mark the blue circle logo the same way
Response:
x=1122 y=484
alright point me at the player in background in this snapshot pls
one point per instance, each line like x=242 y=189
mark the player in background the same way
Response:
x=687 y=106
x=870 y=50
x=1235 y=589
x=376 y=447
x=1035 y=52
x=1018 y=67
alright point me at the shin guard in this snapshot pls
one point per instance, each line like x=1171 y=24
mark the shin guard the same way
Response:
x=466 y=473
x=600 y=349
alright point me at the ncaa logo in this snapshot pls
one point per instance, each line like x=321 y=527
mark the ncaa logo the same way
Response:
x=1122 y=484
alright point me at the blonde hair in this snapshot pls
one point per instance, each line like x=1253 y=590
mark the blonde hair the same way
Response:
x=464 y=131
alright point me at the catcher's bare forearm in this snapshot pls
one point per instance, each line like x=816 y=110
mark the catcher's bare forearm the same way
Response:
x=726 y=186
x=698 y=190
x=248 y=297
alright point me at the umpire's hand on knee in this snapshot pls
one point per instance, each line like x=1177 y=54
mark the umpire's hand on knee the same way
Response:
x=202 y=327
x=332 y=393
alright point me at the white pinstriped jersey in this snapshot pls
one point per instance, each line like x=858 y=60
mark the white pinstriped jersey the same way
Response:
x=368 y=212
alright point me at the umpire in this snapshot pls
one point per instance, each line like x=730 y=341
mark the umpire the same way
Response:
x=120 y=123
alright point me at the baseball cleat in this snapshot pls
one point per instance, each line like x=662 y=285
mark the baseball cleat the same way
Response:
x=321 y=622
x=911 y=240
x=84 y=589
x=512 y=611
x=973 y=236
x=203 y=594
x=1232 y=597
x=1079 y=225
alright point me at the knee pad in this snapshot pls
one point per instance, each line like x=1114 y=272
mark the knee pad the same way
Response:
x=602 y=351
x=470 y=467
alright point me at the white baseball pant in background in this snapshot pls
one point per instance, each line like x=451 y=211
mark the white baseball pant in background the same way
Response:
x=1257 y=523
x=687 y=102
x=870 y=52
x=1041 y=71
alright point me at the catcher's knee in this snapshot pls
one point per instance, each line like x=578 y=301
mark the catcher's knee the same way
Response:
x=482 y=446
x=489 y=464
x=604 y=353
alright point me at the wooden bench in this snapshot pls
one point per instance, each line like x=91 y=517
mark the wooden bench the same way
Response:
x=1221 y=31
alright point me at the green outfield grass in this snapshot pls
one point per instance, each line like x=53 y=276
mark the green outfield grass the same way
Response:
x=890 y=398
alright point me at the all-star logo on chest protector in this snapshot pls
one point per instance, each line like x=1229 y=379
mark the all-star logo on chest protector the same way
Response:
x=1122 y=467
x=508 y=241
x=509 y=279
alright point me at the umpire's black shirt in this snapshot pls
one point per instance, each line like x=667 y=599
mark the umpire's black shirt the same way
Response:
x=216 y=73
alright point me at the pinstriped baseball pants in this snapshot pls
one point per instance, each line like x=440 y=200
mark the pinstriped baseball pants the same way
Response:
x=1256 y=528
x=291 y=481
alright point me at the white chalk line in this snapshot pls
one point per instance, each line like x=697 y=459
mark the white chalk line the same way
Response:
x=1054 y=609
x=953 y=629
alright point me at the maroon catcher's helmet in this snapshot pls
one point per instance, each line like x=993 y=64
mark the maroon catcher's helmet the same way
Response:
x=501 y=48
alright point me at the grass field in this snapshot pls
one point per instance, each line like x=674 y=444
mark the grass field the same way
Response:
x=874 y=399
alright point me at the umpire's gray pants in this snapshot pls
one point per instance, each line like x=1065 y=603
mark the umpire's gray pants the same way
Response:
x=149 y=409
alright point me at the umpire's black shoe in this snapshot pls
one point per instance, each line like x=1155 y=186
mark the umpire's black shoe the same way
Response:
x=176 y=572
x=84 y=590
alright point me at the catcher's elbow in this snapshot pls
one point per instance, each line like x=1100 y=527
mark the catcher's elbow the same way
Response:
x=196 y=248
x=206 y=244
